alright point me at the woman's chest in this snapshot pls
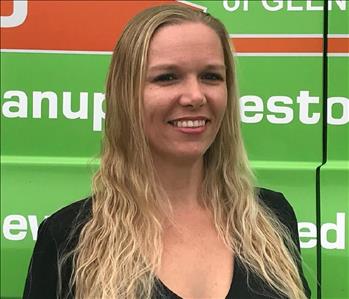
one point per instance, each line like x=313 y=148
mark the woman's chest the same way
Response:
x=195 y=261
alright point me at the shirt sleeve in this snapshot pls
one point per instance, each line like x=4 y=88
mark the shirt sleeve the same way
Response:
x=278 y=204
x=42 y=275
x=57 y=238
x=292 y=224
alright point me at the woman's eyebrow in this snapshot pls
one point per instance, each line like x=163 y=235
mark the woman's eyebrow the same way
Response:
x=165 y=66
x=219 y=67
x=173 y=67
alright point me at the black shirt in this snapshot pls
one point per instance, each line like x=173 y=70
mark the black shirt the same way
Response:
x=55 y=238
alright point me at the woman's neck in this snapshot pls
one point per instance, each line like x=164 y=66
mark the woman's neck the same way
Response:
x=181 y=181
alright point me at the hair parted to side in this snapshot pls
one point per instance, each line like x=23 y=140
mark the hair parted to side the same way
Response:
x=119 y=248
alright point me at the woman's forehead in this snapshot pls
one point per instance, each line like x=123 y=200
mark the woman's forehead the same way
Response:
x=178 y=43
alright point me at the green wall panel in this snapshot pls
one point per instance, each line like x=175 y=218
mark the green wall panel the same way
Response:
x=47 y=161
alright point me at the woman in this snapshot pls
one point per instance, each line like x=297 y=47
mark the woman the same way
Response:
x=174 y=212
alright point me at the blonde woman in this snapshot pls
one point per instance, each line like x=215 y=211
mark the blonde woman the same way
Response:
x=174 y=211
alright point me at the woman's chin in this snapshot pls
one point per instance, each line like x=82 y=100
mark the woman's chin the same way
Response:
x=187 y=156
x=179 y=155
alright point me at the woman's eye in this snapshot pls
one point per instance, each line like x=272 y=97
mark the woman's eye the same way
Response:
x=212 y=77
x=165 y=78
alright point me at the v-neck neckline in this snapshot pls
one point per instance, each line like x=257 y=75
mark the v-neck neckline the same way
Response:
x=232 y=289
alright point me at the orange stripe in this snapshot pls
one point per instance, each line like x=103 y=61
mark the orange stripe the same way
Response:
x=289 y=45
x=6 y=8
x=73 y=25
x=95 y=26
x=338 y=45
x=278 y=45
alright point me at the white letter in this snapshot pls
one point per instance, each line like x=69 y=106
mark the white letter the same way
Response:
x=15 y=222
x=311 y=7
x=231 y=8
x=38 y=96
x=293 y=8
x=67 y=111
x=98 y=114
x=309 y=231
x=19 y=14
x=257 y=107
x=245 y=8
x=287 y=111
x=33 y=224
x=345 y=116
x=273 y=8
x=338 y=228
x=342 y=4
x=21 y=105
x=304 y=99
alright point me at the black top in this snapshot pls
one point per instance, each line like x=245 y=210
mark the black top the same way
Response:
x=54 y=239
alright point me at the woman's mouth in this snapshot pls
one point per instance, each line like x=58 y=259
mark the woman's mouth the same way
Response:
x=189 y=123
x=190 y=126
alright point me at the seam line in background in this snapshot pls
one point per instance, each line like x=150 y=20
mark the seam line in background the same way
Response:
x=324 y=150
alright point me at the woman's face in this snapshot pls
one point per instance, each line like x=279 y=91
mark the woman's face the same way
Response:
x=185 y=93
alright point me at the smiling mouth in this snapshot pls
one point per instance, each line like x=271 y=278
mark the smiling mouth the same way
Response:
x=189 y=123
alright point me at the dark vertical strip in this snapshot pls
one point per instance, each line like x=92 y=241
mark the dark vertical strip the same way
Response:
x=324 y=146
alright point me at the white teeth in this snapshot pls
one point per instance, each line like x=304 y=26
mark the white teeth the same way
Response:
x=189 y=123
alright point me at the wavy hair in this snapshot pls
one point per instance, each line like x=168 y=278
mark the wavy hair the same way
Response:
x=120 y=246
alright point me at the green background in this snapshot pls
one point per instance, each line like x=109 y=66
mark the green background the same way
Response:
x=47 y=163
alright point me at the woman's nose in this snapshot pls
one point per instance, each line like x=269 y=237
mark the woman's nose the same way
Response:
x=192 y=94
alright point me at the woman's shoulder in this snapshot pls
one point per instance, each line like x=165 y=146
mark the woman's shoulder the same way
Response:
x=278 y=204
x=272 y=198
x=68 y=219
x=57 y=235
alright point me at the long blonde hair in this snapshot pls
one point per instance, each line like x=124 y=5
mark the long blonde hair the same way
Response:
x=120 y=246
